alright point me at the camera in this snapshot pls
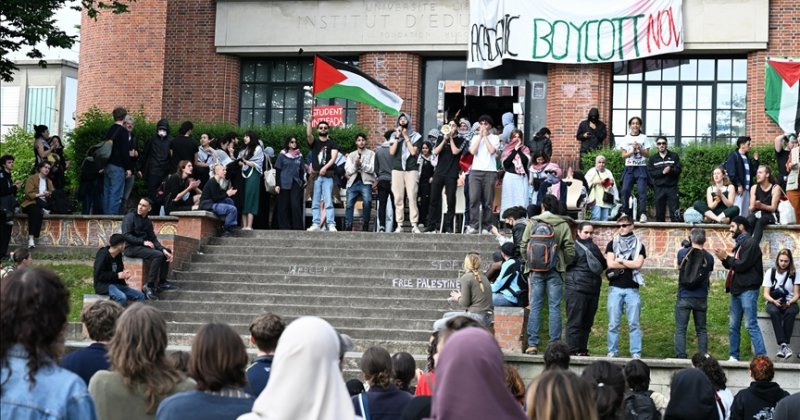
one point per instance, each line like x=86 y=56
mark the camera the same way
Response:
x=686 y=243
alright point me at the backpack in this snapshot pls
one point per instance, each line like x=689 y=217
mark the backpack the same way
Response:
x=595 y=265
x=692 y=269
x=542 y=247
x=692 y=216
x=101 y=152
x=639 y=406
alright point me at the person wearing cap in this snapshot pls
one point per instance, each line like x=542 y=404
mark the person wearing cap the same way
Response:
x=506 y=290
x=483 y=176
x=743 y=283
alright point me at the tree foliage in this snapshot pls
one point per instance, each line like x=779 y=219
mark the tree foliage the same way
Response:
x=31 y=22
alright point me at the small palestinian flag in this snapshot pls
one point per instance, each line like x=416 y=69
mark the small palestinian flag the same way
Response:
x=333 y=79
x=782 y=93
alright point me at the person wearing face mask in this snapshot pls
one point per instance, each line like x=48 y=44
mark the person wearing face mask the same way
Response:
x=591 y=133
x=156 y=160
x=744 y=280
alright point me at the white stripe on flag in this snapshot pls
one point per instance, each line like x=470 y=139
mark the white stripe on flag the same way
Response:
x=384 y=96
x=788 y=110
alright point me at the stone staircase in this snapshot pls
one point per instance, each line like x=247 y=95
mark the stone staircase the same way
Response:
x=381 y=289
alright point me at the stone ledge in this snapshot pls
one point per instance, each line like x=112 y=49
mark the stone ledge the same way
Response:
x=193 y=213
x=97 y=217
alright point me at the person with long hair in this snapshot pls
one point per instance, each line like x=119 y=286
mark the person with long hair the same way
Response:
x=37 y=200
x=635 y=148
x=710 y=366
x=541 y=143
x=290 y=174
x=607 y=386
x=405 y=368
x=781 y=292
x=426 y=162
x=759 y=399
x=41 y=144
x=182 y=191
x=217 y=363
x=141 y=375
x=720 y=196
x=515 y=158
x=426 y=379
x=206 y=158
x=58 y=163
x=560 y=395
x=764 y=198
x=251 y=159
x=475 y=297
x=537 y=176
x=383 y=400
x=216 y=198
x=34 y=304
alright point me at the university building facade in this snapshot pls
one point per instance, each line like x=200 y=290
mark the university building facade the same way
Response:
x=247 y=62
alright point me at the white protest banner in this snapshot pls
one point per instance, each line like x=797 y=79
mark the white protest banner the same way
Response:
x=332 y=114
x=572 y=31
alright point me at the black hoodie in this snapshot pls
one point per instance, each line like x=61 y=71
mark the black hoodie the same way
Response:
x=155 y=158
x=596 y=135
x=758 y=401
x=691 y=397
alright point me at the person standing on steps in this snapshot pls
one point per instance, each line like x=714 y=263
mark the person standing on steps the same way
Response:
x=119 y=165
x=693 y=301
x=445 y=177
x=591 y=133
x=634 y=148
x=582 y=287
x=405 y=145
x=360 y=170
x=483 y=176
x=156 y=161
x=142 y=243
x=324 y=152
x=665 y=171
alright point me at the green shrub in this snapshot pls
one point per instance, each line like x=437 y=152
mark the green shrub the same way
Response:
x=19 y=143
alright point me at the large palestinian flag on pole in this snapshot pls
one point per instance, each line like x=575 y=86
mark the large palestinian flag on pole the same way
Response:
x=782 y=93
x=333 y=79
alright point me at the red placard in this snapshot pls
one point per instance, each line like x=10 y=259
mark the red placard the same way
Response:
x=332 y=114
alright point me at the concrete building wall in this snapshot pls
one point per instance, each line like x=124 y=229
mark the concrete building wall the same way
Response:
x=30 y=74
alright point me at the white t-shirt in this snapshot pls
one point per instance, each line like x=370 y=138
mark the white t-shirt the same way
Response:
x=627 y=144
x=782 y=281
x=485 y=161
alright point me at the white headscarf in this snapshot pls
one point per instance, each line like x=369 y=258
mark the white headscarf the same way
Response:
x=305 y=382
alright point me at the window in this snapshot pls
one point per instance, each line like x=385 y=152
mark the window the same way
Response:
x=41 y=107
x=9 y=108
x=272 y=92
x=688 y=100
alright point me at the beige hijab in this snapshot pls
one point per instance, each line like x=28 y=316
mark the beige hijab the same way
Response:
x=305 y=382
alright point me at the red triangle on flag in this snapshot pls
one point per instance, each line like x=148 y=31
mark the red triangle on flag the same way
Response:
x=325 y=75
x=788 y=70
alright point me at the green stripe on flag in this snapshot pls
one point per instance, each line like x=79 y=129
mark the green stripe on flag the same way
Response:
x=773 y=87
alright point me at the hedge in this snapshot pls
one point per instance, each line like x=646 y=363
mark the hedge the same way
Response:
x=697 y=162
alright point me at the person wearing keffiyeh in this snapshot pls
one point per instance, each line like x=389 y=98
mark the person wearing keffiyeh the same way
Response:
x=516 y=158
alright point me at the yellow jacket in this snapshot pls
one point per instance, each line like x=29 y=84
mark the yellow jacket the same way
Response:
x=32 y=189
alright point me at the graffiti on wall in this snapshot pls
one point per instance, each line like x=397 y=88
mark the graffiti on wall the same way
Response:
x=80 y=230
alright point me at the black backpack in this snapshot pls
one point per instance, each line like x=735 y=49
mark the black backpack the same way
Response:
x=639 y=406
x=542 y=247
x=692 y=269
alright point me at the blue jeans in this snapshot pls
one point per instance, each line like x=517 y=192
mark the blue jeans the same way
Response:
x=600 y=213
x=554 y=284
x=745 y=304
x=323 y=189
x=499 y=300
x=353 y=192
x=113 y=187
x=631 y=174
x=629 y=300
x=698 y=308
x=122 y=294
x=228 y=209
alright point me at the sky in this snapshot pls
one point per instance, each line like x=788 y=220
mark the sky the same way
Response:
x=67 y=20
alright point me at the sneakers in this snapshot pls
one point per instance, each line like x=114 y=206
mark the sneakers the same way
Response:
x=31 y=243
x=485 y=232
x=611 y=355
x=636 y=356
x=331 y=227
x=781 y=352
x=399 y=229
x=470 y=230
x=786 y=350
x=415 y=229
x=149 y=293
x=314 y=227
x=531 y=350
x=733 y=359
x=643 y=218
x=166 y=285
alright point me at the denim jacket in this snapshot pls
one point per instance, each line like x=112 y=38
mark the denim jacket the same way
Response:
x=58 y=394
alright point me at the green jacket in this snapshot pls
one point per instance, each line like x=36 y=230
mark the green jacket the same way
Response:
x=566 y=246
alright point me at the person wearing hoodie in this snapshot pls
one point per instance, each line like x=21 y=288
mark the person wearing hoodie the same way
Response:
x=383 y=174
x=541 y=143
x=582 y=287
x=552 y=184
x=591 y=132
x=405 y=145
x=508 y=126
x=758 y=401
x=550 y=281
x=691 y=397
x=156 y=160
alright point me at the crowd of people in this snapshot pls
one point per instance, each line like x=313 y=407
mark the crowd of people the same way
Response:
x=125 y=373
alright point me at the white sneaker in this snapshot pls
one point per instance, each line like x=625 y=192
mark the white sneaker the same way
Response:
x=416 y=230
x=485 y=232
x=331 y=228
x=636 y=356
x=781 y=352
x=313 y=228
x=399 y=229
x=733 y=359
x=787 y=352
x=470 y=230
x=643 y=218
x=31 y=243
x=45 y=212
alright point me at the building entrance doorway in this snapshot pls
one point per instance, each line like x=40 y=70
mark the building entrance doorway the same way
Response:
x=472 y=98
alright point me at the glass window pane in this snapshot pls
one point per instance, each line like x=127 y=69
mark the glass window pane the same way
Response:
x=261 y=72
x=618 y=122
x=277 y=98
x=652 y=123
x=291 y=116
x=277 y=116
x=655 y=73
x=634 y=96
x=339 y=101
x=688 y=123
x=739 y=96
x=350 y=117
x=671 y=72
x=723 y=123
x=291 y=98
x=620 y=95
x=260 y=98
x=246 y=118
x=635 y=76
x=724 y=95
x=689 y=70
x=278 y=71
x=653 y=97
x=724 y=70
x=739 y=69
x=247 y=72
x=689 y=97
x=246 y=101
x=738 y=123
x=293 y=72
x=667 y=123
x=705 y=69
x=704 y=123
x=308 y=71
x=619 y=71
x=668 y=97
x=704 y=97
x=260 y=117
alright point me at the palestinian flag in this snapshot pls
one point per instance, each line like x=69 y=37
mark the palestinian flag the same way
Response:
x=333 y=79
x=782 y=93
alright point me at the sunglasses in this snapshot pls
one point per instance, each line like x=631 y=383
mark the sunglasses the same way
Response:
x=322 y=128
x=623 y=225
x=661 y=143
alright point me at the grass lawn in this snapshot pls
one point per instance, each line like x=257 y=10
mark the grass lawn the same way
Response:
x=657 y=322
x=78 y=277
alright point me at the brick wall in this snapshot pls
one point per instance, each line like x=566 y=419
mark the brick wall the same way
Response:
x=510 y=328
x=572 y=90
x=400 y=72
x=783 y=42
